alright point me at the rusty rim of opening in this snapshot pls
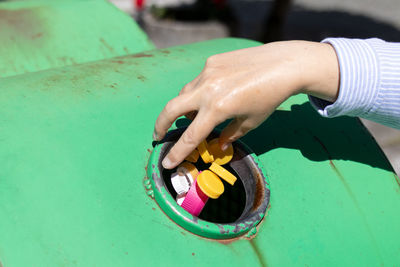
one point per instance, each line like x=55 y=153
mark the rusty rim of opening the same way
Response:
x=245 y=163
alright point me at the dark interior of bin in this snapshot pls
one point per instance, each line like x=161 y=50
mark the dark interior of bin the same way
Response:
x=237 y=201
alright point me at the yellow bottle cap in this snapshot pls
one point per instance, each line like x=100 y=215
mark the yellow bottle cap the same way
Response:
x=210 y=184
x=189 y=170
x=193 y=157
x=203 y=151
x=223 y=173
x=220 y=157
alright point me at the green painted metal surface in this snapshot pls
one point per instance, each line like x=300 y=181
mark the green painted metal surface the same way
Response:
x=75 y=142
x=43 y=34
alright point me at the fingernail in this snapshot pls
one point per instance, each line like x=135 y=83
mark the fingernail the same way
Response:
x=167 y=163
x=155 y=136
x=224 y=147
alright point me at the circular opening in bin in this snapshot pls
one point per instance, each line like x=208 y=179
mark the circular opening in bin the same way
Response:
x=240 y=208
x=225 y=209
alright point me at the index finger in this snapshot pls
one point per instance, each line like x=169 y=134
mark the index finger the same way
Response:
x=175 y=108
x=197 y=131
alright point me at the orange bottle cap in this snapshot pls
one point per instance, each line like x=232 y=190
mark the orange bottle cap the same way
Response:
x=220 y=157
x=193 y=157
x=188 y=169
x=223 y=173
x=203 y=151
x=210 y=184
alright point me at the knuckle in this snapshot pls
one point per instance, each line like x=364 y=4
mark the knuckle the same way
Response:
x=173 y=154
x=215 y=82
x=184 y=89
x=211 y=61
x=169 y=109
x=219 y=107
x=211 y=92
x=188 y=138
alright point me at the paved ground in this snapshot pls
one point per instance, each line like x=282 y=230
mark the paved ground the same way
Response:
x=309 y=20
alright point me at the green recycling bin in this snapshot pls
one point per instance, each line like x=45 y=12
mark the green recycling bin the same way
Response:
x=80 y=179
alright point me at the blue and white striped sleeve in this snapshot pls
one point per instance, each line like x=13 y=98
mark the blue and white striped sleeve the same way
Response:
x=369 y=81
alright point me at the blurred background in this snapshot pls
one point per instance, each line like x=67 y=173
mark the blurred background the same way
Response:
x=175 y=22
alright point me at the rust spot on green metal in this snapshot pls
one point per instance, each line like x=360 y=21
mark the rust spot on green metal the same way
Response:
x=258 y=253
x=141 y=77
x=396 y=178
x=250 y=234
x=24 y=22
x=141 y=55
x=227 y=241
x=347 y=187
x=67 y=60
x=106 y=45
x=259 y=194
x=323 y=147
x=37 y=36
x=118 y=61
x=114 y=85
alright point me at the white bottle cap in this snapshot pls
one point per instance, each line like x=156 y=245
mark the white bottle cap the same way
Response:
x=189 y=174
x=180 y=182
x=180 y=198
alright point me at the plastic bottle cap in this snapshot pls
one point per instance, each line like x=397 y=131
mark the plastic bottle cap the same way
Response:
x=180 y=182
x=203 y=151
x=220 y=157
x=189 y=170
x=195 y=200
x=210 y=184
x=180 y=198
x=223 y=173
x=193 y=157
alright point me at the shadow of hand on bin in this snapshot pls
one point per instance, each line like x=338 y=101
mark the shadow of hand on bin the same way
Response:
x=317 y=138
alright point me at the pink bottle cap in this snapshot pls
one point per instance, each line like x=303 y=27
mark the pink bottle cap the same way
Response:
x=195 y=200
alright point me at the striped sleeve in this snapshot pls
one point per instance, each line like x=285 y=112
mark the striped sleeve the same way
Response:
x=369 y=81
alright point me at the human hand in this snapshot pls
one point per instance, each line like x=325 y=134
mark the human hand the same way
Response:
x=247 y=85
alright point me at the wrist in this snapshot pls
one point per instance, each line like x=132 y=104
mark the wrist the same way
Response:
x=320 y=71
